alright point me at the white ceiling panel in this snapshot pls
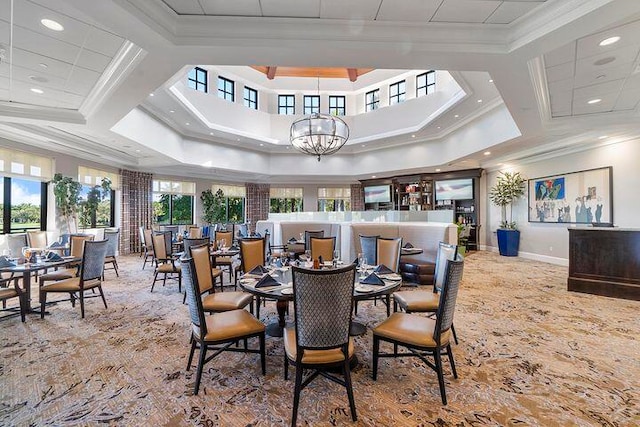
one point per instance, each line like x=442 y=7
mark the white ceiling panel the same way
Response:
x=509 y=11
x=185 y=7
x=38 y=43
x=353 y=9
x=628 y=100
x=25 y=76
x=589 y=46
x=580 y=106
x=566 y=53
x=561 y=101
x=93 y=61
x=288 y=8
x=602 y=90
x=613 y=58
x=408 y=10
x=81 y=81
x=103 y=42
x=64 y=8
x=32 y=61
x=465 y=11
x=233 y=8
x=603 y=75
x=560 y=72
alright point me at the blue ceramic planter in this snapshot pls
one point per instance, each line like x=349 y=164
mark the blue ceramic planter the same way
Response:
x=508 y=242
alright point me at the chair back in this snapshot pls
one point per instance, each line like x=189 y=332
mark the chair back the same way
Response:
x=323 y=247
x=202 y=264
x=93 y=259
x=141 y=234
x=37 y=239
x=446 y=252
x=160 y=242
x=369 y=247
x=243 y=230
x=148 y=238
x=111 y=236
x=15 y=243
x=170 y=228
x=76 y=244
x=226 y=235
x=448 y=296
x=196 y=312
x=190 y=242
x=389 y=252
x=195 y=232
x=322 y=303
x=309 y=234
x=252 y=253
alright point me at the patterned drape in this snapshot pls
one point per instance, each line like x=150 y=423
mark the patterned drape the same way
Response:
x=137 y=208
x=257 y=203
x=357 y=197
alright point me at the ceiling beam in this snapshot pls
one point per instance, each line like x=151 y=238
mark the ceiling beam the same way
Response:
x=271 y=72
x=353 y=74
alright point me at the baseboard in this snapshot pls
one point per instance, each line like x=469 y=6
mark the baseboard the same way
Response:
x=529 y=255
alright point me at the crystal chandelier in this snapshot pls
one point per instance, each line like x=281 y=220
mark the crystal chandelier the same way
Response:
x=319 y=134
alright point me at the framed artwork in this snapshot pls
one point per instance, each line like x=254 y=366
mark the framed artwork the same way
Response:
x=584 y=197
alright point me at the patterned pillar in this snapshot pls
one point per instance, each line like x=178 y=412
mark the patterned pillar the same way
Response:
x=257 y=203
x=137 y=209
x=357 y=197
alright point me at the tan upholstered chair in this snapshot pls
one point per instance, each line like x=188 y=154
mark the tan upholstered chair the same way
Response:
x=427 y=301
x=219 y=331
x=309 y=234
x=225 y=261
x=9 y=289
x=320 y=338
x=37 y=239
x=72 y=269
x=195 y=232
x=424 y=336
x=322 y=247
x=90 y=277
x=213 y=301
x=148 y=248
x=252 y=254
x=165 y=264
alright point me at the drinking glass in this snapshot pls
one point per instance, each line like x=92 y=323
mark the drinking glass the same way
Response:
x=301 y=237
x=223 y=243
x=336 y=256
x=26 y=253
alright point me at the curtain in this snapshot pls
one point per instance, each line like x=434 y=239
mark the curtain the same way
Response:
x=136 y=209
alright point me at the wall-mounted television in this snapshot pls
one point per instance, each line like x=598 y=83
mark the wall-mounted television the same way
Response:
x=377 y=194
x=454 y=189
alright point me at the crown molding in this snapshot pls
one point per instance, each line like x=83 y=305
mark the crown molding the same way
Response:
x=26 y=113
x=540 y=88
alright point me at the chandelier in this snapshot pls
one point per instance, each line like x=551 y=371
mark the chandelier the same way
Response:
x=319 y=134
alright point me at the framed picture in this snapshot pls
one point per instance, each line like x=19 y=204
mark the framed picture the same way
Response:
x=584 y=197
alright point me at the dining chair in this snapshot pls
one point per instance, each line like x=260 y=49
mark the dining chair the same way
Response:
x=165 y=263
x=225 y=261
x=220 y=331
x=90 y=277
x=424 y=336
x=319 y=339
x=252 y=255
x=9 y=289
x=111 y=236
x=322 y=247
x=143 y=243
x=309 y=234
x=15 y=243
x=148 y=248
x=369 y=248
x=195 y=232
x=215 y=302
x=37 y=239
x=427 y=301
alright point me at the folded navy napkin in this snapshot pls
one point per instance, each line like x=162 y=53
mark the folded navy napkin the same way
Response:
x=279 y=264
x=355 y=261
x=258 y=271
x=234 y=247
x=4 y=262
x=53 y=257
x=267 y=281
x=383 y=269
x=372 y=279
x=293 y=240
x=408 y=245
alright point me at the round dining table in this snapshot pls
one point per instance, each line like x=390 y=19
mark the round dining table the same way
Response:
x=283 y=293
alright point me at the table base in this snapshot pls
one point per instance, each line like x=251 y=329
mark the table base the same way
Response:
x=274 y=330
x=357 y=328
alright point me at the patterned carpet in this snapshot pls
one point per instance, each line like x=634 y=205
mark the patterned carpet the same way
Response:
x=530 y=353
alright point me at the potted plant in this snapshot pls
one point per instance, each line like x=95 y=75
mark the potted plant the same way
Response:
x=463 y=237
x=508 y=189
x=67 y=196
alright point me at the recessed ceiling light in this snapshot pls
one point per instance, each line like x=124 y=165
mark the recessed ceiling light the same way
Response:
x=36 y=90
x=52 y=25
x=172 y=111
x=486 y=153
x=288 y=147
x=439 y=127
x=456 y=116
x=373 y=176
x=413 y=136
x=490 y=80
x=43 y=65
x=187 y=123
x=437 y=170
x=603 y=137
x=610 y=40
x=210 y=133
x=363 y=145
x=38 y=79
x=261 y=145
x=137 y=151
x=479 y=101
x=151 y=94
x=594 y=101
x=237 y=139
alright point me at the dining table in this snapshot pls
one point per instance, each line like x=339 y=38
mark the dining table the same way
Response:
x=283 y=293
x=26 y=270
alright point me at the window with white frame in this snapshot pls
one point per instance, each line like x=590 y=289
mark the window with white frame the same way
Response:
x=234 y=200
x=425 y=83
x=334 y=199
x=285 y=200
x=173 y=202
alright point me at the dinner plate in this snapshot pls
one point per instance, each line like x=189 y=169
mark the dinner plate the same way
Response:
x=286 y=291
x=364 y=289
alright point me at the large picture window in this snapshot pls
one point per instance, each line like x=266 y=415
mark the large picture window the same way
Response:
x=197 y=79
x=250 y=98
x=397 y=92
x=103 y=212
x=334 y=199
x=233 y=199
x=285 y=200
x=311 y=104
x=426 y=83
x=286 y=104
x=372 y=100
x=337 y=105
x=226 y=89
x=173 y=202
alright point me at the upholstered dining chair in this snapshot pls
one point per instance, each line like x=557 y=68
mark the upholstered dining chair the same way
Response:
x=323 y=247
x=427 y=301
x=195 y=232
x=252 y=254
x=194 y=241
x=424 y=336
x=37 y=239
x=9 y=288
x=369 y=248
x=148 y=248
x=220 y=331
x=213 y=301
x=165 y=264
x=309 y=234
x=15 y=243
x=226 y=261
x=111 y=236
x=90 y=277
x=143 y=243
x=72 y=269
x=319 y=339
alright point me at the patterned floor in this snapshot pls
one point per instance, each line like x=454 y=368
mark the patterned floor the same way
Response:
x=530 y=353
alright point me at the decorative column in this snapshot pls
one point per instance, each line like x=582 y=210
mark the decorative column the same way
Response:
x=137 y=208
x=257 y=203
x=357 y=197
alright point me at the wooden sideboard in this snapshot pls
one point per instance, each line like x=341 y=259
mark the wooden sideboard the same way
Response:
x=605 y=261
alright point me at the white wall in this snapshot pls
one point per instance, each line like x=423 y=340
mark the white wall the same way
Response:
x=548 y=241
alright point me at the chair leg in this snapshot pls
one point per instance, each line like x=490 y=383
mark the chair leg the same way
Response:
x=286 y=367
x=43 y=302
x=347 y=380
x=193 y=349
x=263 y=354
x=395 y=306
x=115 y=266
x=438 y=360
x=257 y=307
x=23 y=306
x=202 y=358
x=296 y=394
x=388 y=305
x=155 y=278
x=102 y=295
x=455 y=337
x=376 y=350
x=453 y=364
x=82 y=303
x=184 y=297
x=355 y=308
x=179 y=280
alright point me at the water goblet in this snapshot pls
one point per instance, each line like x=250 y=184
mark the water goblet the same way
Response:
x=336 y=257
